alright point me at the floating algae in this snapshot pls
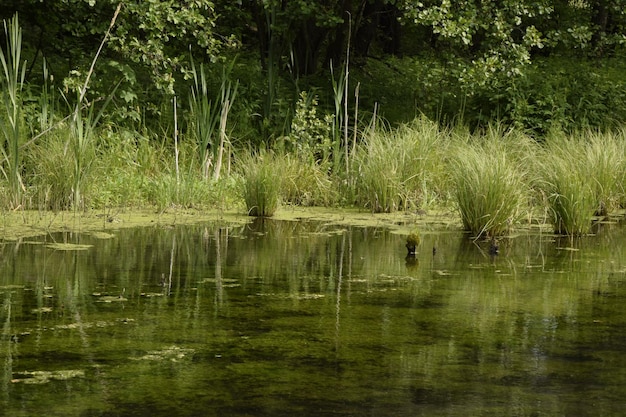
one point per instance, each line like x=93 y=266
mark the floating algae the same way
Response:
x=68 y=246
x=101 y=235
x=43 y=377
x=171 y=353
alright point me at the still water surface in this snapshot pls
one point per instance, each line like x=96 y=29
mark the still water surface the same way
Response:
x=308 y=319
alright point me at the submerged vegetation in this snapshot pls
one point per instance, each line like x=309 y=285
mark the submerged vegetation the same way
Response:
x=303 y=148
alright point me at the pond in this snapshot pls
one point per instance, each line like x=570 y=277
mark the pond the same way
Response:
x=283 y=318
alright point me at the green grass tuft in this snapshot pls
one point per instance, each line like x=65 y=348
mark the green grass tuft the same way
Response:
x=490 y=183
x=261 y=183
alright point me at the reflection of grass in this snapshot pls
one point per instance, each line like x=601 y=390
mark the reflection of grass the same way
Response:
x=484 y=318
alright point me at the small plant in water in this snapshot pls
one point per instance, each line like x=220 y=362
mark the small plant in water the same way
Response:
x=412 y=242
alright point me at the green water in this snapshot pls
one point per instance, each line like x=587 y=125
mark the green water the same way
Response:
x=306 y=319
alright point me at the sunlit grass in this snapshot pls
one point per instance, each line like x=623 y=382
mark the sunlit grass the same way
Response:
x=261 y=183
x=566 y=184
x=306 y=181
x=490 y=183
x=403 y=168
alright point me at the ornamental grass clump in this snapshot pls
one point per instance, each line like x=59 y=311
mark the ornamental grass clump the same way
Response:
x=401 y=169
x=490 y=183
x=605 y=163
x=261 y=183
x=305 y=181
x=566 y=184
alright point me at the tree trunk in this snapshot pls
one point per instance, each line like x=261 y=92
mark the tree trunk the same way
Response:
x=600 y=20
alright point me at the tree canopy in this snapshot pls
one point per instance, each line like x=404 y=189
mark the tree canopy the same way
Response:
x=483 y=45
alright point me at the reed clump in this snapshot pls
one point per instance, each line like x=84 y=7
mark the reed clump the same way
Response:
x=261 y=183
x=606 y=166
x=582 y=176
x=401 y=169
x=564 y=185
x=490 y=182
x=305 y=181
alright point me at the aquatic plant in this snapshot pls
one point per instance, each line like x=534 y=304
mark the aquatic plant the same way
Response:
x=261 y=183
x=412 y=242
x=11 y=84
x=567 y=183
x=490 y=184
x=210 y=116
x=401 y=169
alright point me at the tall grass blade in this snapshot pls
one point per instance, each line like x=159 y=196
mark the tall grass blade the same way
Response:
x=11 y=85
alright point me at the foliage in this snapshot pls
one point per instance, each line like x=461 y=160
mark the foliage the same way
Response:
x=157 y=33
x=496 y=38
x=209 y=117
x=309 y=134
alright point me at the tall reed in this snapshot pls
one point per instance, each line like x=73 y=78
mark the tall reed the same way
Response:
x=204 y=117
x=490 y=183
x=210 y=116
x=339 y=129
x=82 y=134
x=11 y=121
